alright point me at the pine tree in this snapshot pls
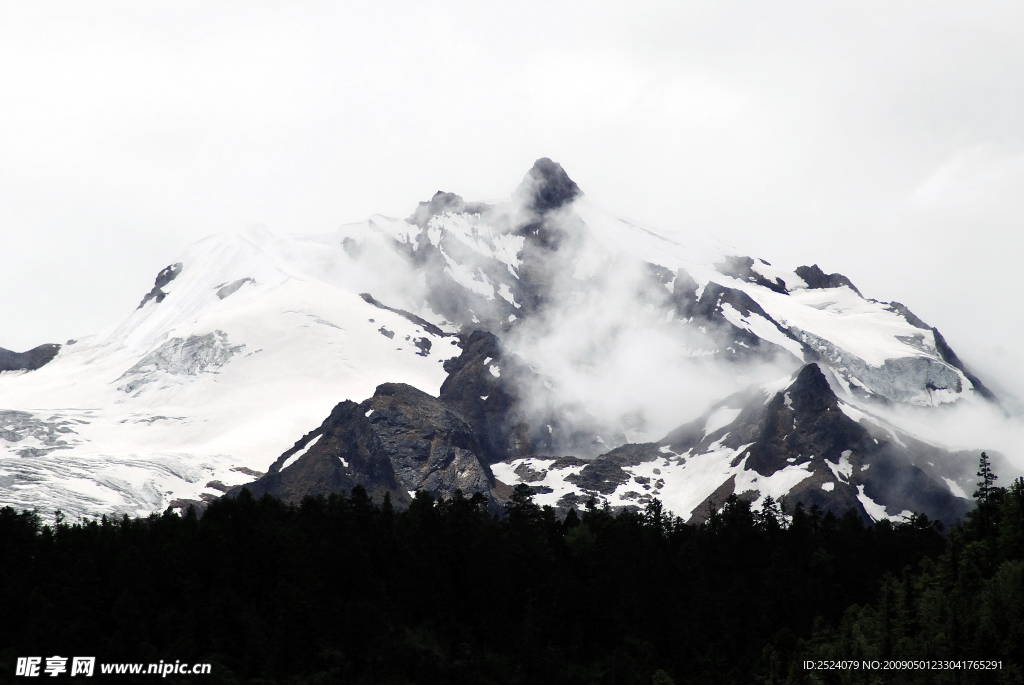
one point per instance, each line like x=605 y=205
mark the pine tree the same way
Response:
x=989 y=499
x=987 y=483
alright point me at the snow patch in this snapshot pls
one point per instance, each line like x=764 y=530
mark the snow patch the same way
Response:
x=292 y=459
x=875 y=510
x=721 y=417
x=955 y=488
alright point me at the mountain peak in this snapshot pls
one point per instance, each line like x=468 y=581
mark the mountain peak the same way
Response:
x=810 y=391
x=546 y=186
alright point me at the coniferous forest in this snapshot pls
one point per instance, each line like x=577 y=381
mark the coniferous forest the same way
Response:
x=342 y=590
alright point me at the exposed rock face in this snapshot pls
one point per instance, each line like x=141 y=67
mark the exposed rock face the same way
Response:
x=402 y=440
x=444 y=202
x=231 y=288
x=165 y=276
x=815 y=278
x=431 y=447
x=399 y=441
x=426 y=325
x=35 y=358
x=713 y=502
x=547 y=187
x=742 y=268
x=343 y=452
x=435 y=444
x=489 y=401
x=805 y=426
x=799 y=442
x=605 y=473
x=487 y=386
x=912 y=318
x=733 y=342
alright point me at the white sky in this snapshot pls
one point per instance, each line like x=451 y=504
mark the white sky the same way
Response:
x=883 y=140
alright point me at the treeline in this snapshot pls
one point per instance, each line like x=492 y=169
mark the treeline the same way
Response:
x=340 y=590
x=965 y=604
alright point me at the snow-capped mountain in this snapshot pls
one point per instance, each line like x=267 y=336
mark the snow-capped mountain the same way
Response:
x=539 y=339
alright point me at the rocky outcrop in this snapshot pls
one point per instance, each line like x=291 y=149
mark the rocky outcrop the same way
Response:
x=734 y=342
x=815 y=278
x=399 y=441
x=409 y=316
x=547 y=187
x=801 y=443
x=229 y=289
x=444 y=202
x=430 y=446
x=31 y=360
x=806 y=426
x=490 y=387
x=742 y=268
x=480 y=387
x=165 y=276
x=343 y=452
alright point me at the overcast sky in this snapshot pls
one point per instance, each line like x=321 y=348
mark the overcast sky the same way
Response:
x=883 y=140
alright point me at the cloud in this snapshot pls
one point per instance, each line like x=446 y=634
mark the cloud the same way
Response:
x=971 y=180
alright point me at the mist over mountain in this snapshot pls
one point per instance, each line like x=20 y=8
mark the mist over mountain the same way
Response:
x=476 y=346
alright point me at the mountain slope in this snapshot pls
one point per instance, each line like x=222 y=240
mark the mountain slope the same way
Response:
x=545 y=324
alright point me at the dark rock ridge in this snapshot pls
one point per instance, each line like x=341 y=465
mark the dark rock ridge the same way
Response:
x=165 y=276
x=228 y=289
x=494 y=408
x=431 y=446
x=489 y=403
x=533 y=282
x=547 y=187
x=486 y=385
x=402 y=440
x=805 y=425
x=423 y=323
x=31 y=360
x=911 y=318
x=444 y=202
x=815 y=278
x=399 y=441
x=713 y=502
x=802 y=426
x=343 y=452
x=743 y=269
x=736 y=342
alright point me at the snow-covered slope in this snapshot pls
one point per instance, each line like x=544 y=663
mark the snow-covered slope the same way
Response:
x=255 y=335
x=249 y=338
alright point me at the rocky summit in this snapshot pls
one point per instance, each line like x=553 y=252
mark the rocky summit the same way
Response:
x=473 y=347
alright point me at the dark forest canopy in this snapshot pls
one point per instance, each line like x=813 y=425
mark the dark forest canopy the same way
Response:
x=339 y=589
